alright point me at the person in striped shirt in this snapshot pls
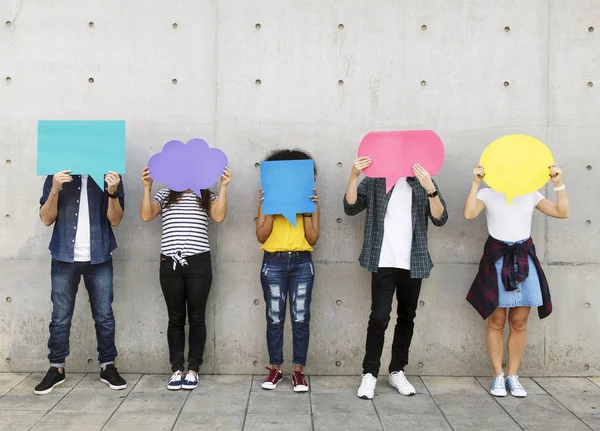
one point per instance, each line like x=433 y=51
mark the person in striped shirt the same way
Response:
x=185 y=267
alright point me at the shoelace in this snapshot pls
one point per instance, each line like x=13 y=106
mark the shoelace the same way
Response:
x=370 y=382
x=498 y=382
x=401 y=376
x=299 y=378
x=513 y=382
x=176 y=377
x=272 y=374
x=191 y=377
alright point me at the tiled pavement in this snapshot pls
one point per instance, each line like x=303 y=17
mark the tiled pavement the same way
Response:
x=236 y=402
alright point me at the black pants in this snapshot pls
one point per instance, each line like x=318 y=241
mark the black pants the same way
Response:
x=383 y=284
x=186 y=286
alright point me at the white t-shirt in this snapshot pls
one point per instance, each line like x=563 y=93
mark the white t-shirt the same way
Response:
x=185 y=225
x=82 y=236
x=512 y=222
x=397 y=228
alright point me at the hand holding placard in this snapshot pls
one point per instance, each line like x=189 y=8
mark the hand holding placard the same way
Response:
x=393 y=154
x=193 y=166
x=287 y=187
x=516 y=165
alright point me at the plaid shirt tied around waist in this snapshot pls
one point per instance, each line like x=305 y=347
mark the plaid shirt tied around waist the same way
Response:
x=483 y=295
x=371 y=196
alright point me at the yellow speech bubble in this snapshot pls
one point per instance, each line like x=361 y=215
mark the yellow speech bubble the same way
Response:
x=516 y=165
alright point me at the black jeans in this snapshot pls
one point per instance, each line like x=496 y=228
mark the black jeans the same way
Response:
x=383 y=284
x=186 y=286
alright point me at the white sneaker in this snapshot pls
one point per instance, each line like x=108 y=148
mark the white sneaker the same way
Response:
x=516 y=390
x=175 y=381
x=398 y=380
x=367 y=387
x=190 y=382
x=498 y=388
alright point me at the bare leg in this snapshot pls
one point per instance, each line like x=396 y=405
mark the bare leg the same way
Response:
x=495 y=338
x=517 y=321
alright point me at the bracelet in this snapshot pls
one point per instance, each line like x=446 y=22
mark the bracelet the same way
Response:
x=558 y=189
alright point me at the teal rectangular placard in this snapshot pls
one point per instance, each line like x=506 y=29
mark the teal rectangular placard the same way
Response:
x=83 y=147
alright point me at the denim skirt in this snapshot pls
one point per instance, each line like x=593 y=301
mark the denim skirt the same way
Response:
x=527 y=294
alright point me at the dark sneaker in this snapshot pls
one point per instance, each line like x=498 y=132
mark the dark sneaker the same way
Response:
x=272 y=379
x=112 y=378
x=52 y=379
x=299 y=382
x=175 y=381
x=190 y=382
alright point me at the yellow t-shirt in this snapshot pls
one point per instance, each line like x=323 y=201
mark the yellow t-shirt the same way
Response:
x=285 y=237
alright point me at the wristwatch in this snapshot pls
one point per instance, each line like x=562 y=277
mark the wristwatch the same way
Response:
x=432 y=195
x=115 y=195
x=307 y=215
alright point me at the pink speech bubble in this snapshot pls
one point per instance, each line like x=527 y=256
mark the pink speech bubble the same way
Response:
x=393 y=154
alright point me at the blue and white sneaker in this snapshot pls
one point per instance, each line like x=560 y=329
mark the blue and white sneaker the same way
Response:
x=190 y=382
x=175 y=381
x=516 y=390
x=498 y=386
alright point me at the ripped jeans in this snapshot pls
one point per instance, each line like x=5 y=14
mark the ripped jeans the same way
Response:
x=287 y=274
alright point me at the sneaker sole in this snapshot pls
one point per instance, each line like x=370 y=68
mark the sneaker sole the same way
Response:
x=365 y=397
x=173 y=388
x=498 y=394
x=114 y=387
x=269 y=386
x=407 y=394
x=519 y=395
x=301 y=389
x=189 y=388
x=47 y=391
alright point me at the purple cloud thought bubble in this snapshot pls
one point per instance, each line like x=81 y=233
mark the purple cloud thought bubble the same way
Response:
x=193 y=166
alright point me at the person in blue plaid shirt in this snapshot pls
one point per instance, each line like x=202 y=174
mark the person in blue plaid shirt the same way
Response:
x=395 y=252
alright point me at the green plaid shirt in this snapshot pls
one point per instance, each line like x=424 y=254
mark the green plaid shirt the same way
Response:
x=373 y=198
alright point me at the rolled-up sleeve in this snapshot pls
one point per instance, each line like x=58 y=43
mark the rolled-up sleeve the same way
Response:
x=444 y=218
x=361 y=200
x=47 y=189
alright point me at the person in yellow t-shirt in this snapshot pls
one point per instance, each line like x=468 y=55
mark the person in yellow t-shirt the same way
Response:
x=287 y=271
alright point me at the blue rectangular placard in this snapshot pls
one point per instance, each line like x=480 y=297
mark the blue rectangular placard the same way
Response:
x=84 y=147
x=287 y=186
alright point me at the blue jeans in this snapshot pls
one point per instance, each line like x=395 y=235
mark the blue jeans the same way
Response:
x=98 y=279
x=287 y=274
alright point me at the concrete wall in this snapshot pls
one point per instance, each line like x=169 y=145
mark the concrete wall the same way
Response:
x=329 y=73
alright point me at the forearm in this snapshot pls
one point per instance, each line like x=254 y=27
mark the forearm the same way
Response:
x=470 y=210
x=311 y=227
x=562 y=204
x=264 y=225
x=436 y=207
x=220 y=206
x=49 y=210
x=352 y=190
x=115 y=212
x=146 y=205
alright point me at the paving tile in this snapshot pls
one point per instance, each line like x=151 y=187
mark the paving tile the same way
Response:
x=540 y=412
x=202 y=422
x=264 y=402
x=27 y=385
x=92 y=381
x=529 y=384
x=415 y=422
x=152 y=382
x=141 y=422
x=383 y=387
x=10 y=380
x=61 y=421
x=218 y=383
x=474 y=412
x=217 y=402
x=341 y=422
x=334 y=385
x=91 y=400
x=341 y=404
x=567 y=385
x=271 y=422
x=594 y=380
x=452 y=385
x=154 y=402
x=586 y=406
x=396 y=404
x=21 y=397
x=17 y=421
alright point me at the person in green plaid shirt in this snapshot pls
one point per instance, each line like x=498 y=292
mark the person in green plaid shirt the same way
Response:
x=395 y=252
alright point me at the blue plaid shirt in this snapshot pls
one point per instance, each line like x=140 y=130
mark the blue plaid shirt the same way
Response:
x=373 y=198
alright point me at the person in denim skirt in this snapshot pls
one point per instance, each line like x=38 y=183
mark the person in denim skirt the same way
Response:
x=287 y=271
x=83 y=214
x=185 y=267
x=510 y=279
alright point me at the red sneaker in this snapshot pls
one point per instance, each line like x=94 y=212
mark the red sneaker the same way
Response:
x=299 y=381
x=272 y=379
